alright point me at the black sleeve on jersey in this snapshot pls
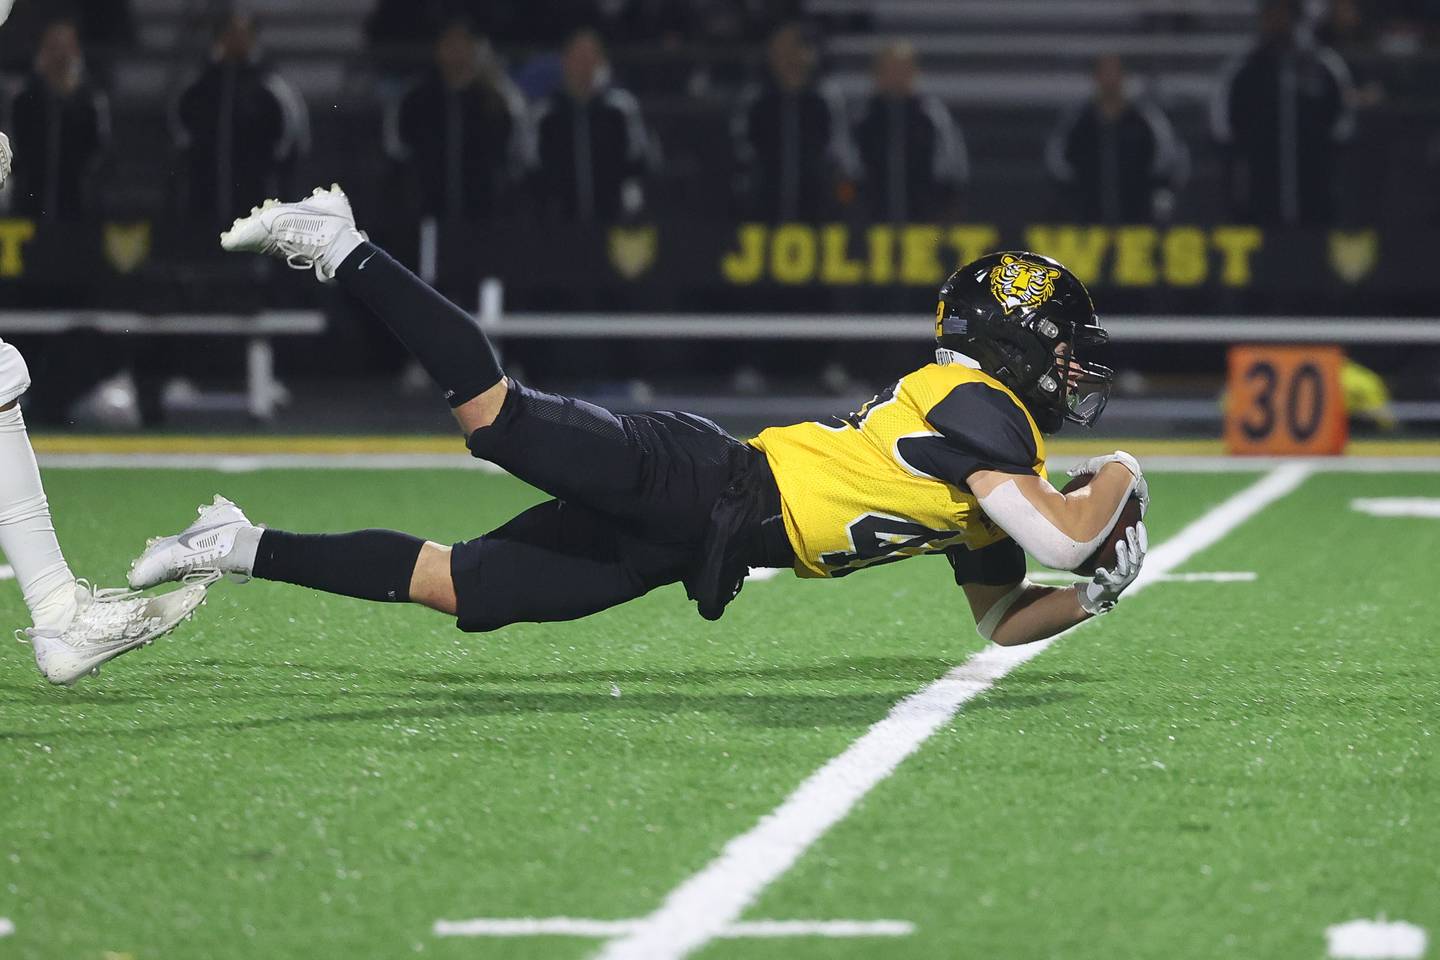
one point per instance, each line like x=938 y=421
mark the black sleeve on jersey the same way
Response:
x=980 y=428
x=998 y=565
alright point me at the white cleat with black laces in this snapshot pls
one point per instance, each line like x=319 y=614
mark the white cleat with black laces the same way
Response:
x=201 y=549
x=317 y=232
x=106 y=624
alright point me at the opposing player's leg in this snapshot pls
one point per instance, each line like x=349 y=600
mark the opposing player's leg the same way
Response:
x=553 y=562
x=27 y=534
x=76 y=627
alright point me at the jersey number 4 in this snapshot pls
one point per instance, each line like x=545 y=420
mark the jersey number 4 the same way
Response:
x=880 y=539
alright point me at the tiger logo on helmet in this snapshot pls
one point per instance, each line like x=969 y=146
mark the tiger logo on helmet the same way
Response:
x=1022 y=283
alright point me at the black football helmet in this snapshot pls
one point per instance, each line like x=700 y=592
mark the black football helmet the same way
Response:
x=1028 y=322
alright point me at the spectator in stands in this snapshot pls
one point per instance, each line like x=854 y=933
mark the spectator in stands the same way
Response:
x=399 y=31
x=1353 y=33
x=1281 y=112
x=104 y=26
x=740 y=21
x=592 y=149
x=60 y=126
x=239 y=125
x=792 y=144
x=458 y=131
x=913 y=156
x=1117 y=156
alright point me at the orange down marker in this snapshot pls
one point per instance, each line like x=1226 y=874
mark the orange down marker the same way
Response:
x=1285 y=401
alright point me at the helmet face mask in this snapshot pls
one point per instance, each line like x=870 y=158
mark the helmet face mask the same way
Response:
x=1086 y=386
x=1030 y=323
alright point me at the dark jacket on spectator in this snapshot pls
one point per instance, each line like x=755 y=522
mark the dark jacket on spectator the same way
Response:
x=913 y=156
x=1282 y=110
x=238 y=125
x=587 y=153
x=58 y=143
x=791 y=147
x=105 y=25
x=460 y=145
x=1112 y=168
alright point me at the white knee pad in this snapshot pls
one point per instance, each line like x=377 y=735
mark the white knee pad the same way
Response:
x=14 y=375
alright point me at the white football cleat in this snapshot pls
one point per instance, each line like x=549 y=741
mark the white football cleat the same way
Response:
x=106 y=624
x=5 y=155
x=200 y=548
x=318 y=231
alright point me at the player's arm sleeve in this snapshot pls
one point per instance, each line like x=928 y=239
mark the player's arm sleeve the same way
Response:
x=1343 y=126
x=742 y=144
x=949 y=164
x=293 y=136
x=638 y=148
x=100 y=128
x=1058 y=155
x=398 y=124
x=182 y=116
x=1168 y=157
x=1000 y=564
x=977 y=427
x=840 y=148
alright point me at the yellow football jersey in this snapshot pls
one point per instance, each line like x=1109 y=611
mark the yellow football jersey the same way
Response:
x=888 y=481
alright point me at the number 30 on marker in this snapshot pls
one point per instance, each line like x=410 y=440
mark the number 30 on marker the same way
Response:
x=1285 y=401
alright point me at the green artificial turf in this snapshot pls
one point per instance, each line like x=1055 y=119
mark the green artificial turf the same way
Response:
x=1216 y=769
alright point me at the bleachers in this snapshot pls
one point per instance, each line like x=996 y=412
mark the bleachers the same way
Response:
x=1007 y=68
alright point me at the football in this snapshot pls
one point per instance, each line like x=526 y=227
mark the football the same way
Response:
x=1104 y=555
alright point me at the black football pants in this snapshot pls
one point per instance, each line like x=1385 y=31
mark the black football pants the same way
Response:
x=633 y=494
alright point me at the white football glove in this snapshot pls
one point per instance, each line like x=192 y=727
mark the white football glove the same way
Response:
x=1093 y=465
x=4 y=152
x=1101 y=593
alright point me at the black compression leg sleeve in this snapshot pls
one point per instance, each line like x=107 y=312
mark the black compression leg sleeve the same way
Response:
x=369 y=564
x=446 y=340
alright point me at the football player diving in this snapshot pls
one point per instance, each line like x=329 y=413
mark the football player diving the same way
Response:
x=949 y=459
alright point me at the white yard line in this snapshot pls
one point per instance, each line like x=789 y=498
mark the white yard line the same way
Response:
x=1215 y=576
x=818 y=928
x=1375 y=940
x=711 y=901
x=1225 y=464
x=579 y=927
x=532 y=927
x=1426 y=507
x=7 y=928
x=248 y=463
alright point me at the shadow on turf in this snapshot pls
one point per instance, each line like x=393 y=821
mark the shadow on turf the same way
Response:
x=915 y=670
x=436 y=695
